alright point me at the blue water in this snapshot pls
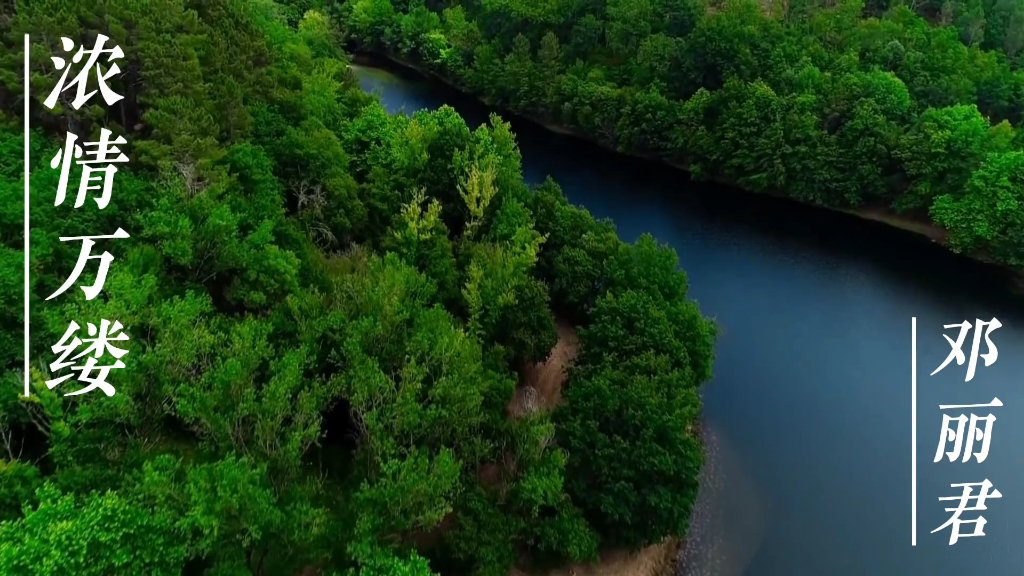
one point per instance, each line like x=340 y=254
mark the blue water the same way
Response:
x=812 y=384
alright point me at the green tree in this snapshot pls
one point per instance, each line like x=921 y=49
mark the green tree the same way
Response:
x=988 y=217
x=633 y=452
x=942 y=150
x=629 y=414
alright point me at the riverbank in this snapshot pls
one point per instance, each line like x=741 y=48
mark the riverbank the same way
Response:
x=931 y=231
x=708 y=548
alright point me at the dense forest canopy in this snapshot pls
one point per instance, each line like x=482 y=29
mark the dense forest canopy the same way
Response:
x=910 y=108
x=329 y=309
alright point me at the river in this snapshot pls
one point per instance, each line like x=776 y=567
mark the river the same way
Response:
x=812 y=384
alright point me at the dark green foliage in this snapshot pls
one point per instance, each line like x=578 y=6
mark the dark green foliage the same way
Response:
x=638 y=479
x=629 y=414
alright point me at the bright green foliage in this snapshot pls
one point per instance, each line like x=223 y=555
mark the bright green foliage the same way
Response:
x=852 y=104
x=420 y=238
x=99 y=534
x=383 y=563
x=943 y=149
x=328 y=308
x=989 y=215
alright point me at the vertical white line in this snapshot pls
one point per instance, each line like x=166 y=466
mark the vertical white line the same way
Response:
x=913 y=431
x=28 y=390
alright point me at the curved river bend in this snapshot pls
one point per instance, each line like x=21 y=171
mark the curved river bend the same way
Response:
x=812 y=386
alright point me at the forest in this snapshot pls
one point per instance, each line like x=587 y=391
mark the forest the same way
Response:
x=330 y=310
x=911 y=109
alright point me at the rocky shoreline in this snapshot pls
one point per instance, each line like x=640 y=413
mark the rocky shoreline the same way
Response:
x=727 y=522
x=698 y=552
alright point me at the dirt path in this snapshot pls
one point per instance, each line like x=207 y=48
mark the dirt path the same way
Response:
x=541 y=386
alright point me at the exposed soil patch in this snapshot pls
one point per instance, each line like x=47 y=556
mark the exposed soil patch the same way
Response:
x=657 y=560
x=541 y=384
x=934 y=232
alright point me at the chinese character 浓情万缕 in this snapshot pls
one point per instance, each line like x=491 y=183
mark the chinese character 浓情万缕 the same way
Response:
x=98 y=170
